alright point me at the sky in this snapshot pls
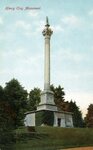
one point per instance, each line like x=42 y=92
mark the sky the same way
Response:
x=22 y=45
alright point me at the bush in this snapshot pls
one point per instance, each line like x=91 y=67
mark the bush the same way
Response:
x=7 y=140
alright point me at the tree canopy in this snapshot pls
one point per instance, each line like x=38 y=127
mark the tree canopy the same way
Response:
x=67 y=106
x=16 y=96
x=6 y=123
x=34 y=98
x=77 y=115
x=89 y=117
x=58 y=95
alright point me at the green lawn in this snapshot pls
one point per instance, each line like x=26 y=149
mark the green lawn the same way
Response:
x=54 y=138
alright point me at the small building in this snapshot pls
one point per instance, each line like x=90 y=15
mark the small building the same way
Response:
x=47 y=117
x=47 y=113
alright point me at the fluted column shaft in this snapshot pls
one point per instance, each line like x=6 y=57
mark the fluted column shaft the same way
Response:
x=47 y=63
x=47 y=32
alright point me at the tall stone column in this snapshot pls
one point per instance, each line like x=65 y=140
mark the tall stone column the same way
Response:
x=47 y=32
x=47 y=96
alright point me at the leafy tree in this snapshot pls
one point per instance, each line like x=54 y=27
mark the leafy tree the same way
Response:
x=6 y=122
x=34 y=98
x=89 y=117
x=59 y=96
x=67 y=106
x=77 y=115
x=16 y=96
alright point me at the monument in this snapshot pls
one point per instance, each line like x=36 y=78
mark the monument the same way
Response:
x=47 y=96
x=47 y=112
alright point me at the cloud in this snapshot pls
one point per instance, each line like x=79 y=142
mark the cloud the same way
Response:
x=26 y=27
x=90 y=12
x=22 y=24
x=68 y=54
x=21 y=59
x=13 y=53
x=71 y=20
x=1 y=20
x=57 y=28
x=33 y=13
x=23 y=67
x=39 y=25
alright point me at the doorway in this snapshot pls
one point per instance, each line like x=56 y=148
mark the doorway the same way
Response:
x=59 y=122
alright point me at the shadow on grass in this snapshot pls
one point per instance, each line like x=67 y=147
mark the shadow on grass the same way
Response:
x=30 y=136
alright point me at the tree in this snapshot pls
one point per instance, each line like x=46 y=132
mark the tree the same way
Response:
x=5 y=111
x=77 y=115
x=67 y=106
x=6 y=122
x=89 y=117
x=34 y=98
x=59 y=96
x=16 y=96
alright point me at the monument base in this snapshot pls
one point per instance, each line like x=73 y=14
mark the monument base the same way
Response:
x=47 y=101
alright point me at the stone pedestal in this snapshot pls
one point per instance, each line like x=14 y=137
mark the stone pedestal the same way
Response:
x=47 y=101
x=47 y=97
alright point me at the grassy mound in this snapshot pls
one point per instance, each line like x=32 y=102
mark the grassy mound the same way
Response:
x=53 y=138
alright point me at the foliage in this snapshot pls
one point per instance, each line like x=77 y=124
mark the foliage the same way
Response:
x=89 y=117
x=67 y=106
x=13 y=103
x=44 y=117
x=77 y=115
x=34 y=98
x=6 y=123
x=16 y=96
x=58 y=95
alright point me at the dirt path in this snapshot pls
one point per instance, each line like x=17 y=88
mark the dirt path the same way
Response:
x=82 y=148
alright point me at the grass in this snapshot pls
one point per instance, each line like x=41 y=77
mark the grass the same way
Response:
x=54 y=138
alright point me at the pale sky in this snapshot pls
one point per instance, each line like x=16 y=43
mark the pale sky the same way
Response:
x=22 y=45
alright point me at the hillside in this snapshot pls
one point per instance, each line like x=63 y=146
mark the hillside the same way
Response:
x=54 y=138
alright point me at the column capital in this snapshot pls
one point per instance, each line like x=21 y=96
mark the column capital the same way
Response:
x=47 y=31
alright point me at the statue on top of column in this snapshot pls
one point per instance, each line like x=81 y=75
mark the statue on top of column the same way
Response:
x=47 y=30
